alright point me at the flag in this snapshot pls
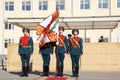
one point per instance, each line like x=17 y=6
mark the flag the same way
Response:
x=48 y=29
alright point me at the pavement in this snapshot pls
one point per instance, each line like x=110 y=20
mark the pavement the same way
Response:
x=82 y=76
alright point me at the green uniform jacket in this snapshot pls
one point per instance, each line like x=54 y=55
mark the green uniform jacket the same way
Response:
x=22 y=50
x=76 y=50
x=61 y=49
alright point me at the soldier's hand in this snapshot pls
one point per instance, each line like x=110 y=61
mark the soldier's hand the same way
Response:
x=51 y=53
x=68 y=52
x=81 y=54
x=65 y=52
x=31 y=53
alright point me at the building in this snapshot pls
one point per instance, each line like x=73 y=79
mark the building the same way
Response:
x=92 y=17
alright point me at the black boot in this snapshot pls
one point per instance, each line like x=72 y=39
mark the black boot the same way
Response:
x=76 y=71
x=23 y=72
x=61 y=71
x=73 y=71
x=47 y=71
x=26 y=71
x=44 y=69
x=58 y=70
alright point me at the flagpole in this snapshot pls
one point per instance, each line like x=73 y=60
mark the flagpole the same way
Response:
x=57 y=7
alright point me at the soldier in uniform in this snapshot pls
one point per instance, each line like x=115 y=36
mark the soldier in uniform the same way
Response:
x=25 y=50
x=69 y=36
x=101 y=39
x=45 y=51
x=61 y=49
x=75 y=49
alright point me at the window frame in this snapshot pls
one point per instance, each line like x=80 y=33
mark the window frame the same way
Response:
x=101 y=4
x=43 y=5
x=118 y=3
x=9 y=6
x=8 y=26
x=61 y=4
x=6 y=43
x=84 y=4
x=25 y=5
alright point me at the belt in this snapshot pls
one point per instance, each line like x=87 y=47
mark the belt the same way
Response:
x=60 y=45
x=26 y=46
x=74 y=46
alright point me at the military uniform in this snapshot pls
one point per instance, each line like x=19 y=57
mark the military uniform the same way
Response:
x=25 y=49
x=60 y=52
x=75 y=49
x=45 y=52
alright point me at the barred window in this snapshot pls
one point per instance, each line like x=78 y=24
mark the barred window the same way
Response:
x=61 y=4
x=9 y=6
x=84 y=4
x=26 y=5
x=43 y=5
x=118 y=3
x=102 y=3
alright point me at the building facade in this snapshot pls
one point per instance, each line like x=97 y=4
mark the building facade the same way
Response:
x=30 y=9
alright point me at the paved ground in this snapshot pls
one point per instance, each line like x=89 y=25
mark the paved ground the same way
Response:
x=83 y=76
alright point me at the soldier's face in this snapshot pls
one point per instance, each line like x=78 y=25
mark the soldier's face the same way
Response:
x=60 y=31
x=75 y=33
x=26 y=33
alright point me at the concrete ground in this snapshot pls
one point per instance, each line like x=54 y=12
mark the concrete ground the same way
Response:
x=83 y=76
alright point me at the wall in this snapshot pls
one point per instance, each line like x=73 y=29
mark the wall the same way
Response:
x=77 y=12
x=1 y=25
x=103 y=57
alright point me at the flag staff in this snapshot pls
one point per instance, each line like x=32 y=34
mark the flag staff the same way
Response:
x=57 y=8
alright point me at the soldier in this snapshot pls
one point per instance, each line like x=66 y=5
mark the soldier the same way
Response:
x=25 y=50
x=45 y=51
x=101 y=39
x=69 y=36
x=75 y=49
x=61 y=49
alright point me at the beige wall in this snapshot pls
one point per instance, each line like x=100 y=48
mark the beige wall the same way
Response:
x=103 y=57
x=93 y=11
x=77 y=12
x=1 y=25
x=34 y=10
x=115 y=11
x=17 y=13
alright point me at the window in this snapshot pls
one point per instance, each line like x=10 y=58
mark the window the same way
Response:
x=61 y=4
x=43 y=5
x=6 y=44
x=9 y=6
x=86 y=40
x=8 y=41
x=118 y=3
x=84 y=4
x=12 y=40
x=6 y=26
x=102 y=3
x=26 y=5
x=9 y=26
x=12 y=26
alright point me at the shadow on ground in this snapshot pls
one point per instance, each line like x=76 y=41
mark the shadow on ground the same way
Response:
x=39 y=73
